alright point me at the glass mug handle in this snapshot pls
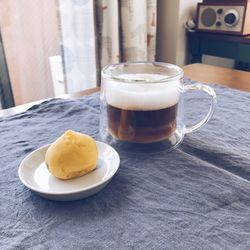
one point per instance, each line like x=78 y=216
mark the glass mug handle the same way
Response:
x=211 y=93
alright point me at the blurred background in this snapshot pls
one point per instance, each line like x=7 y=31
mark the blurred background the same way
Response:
x=53 y=47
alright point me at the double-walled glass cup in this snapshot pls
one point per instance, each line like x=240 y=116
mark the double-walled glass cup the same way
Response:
x=141 y=103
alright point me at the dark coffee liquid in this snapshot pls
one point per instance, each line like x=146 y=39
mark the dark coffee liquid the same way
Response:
x=142 y=126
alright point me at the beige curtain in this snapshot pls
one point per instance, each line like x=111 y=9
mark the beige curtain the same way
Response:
x=101 y=32
x=30 y=36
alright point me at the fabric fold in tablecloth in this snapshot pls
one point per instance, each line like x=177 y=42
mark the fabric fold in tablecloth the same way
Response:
x=195 y=197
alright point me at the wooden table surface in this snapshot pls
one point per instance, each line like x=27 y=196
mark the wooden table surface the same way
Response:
x=232 y=78
x=24 y=107
x=199 y=72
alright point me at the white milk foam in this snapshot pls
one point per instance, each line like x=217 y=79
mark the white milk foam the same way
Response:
x=142 y=96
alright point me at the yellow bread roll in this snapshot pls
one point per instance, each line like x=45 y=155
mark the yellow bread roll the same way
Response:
x=71 y=155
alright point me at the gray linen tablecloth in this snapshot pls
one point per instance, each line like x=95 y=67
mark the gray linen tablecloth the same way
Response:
x=195 y=197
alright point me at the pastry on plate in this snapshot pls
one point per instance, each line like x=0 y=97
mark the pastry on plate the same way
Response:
x=72 y=155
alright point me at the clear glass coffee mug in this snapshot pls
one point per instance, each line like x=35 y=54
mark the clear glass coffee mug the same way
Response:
x=141 y=103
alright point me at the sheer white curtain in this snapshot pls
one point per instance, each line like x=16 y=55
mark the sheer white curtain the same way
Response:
x=95 y=33
x=77 y=25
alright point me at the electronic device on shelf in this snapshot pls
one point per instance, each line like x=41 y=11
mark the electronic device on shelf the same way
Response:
x=224 y=16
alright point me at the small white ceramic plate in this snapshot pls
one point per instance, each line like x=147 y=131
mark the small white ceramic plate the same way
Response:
x=34 y=174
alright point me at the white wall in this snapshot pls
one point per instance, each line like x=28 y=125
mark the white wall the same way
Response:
x=218 y=61
x=167 y=29
x=187 y=8
x=171 y=36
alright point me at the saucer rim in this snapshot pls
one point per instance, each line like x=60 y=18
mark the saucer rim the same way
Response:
x=77 y=191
